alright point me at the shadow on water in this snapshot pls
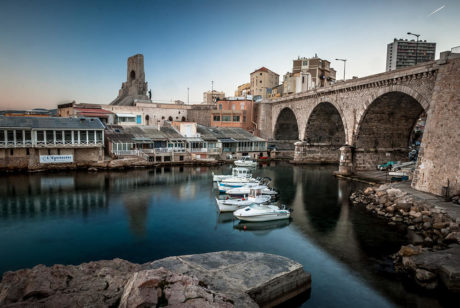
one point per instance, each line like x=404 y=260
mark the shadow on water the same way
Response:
x=147 y=214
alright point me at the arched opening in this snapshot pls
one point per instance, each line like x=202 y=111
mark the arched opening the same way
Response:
x=324 y=135
x=386 y=130
x=286 y=126
x=147 y=118
x=132 y=75
x=183 y=119
x=170 y=118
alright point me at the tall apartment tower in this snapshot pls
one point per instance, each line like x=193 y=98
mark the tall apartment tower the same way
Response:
x=404 y=53
x=135 y=87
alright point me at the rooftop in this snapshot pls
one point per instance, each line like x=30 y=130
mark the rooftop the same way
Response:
x=50 y=123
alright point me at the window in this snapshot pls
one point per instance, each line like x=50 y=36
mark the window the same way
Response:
x=226 y=118
x=233 y=107
x=261 y=81
x=260 y=74
x=11 y=152
x=220 y=106
x=216 y=118
x=27 y=151
x=138 y=119
x=242 y=106
x=10 y=134
x=236 y=118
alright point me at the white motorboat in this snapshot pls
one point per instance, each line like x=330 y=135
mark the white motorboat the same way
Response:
x=225 y=187
x=236 y=172
x=230 y=205
x=233 y=180
x=245 y=161
x=261 y=212
x=245 y=190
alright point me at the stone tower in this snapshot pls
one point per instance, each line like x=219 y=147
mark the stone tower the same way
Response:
x=135 y=87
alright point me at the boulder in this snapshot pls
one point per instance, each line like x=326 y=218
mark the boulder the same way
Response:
x=160 y=287
x=403 y=205
x=409 y=250
x=369 y=191
x=453 y=237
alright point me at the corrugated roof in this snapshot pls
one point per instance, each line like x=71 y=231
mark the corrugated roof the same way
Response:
x=51 y=123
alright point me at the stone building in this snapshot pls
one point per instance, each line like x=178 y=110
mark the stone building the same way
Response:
x=234 y=112
x=262 y=82
x=403 y=53
x=42 y=142
x=320 y=71
x=296 y=83
x=210 y=97
x=135 y=87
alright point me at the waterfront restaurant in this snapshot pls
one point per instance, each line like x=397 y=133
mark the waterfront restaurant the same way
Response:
x=38 y=142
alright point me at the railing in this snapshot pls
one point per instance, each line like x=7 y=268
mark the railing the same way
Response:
x=200 y=150
x=126 y=152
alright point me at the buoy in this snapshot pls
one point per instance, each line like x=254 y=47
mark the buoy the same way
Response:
x=243 y=199
x=244 y=227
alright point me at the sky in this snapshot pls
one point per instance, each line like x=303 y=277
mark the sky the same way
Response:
x=53 y=52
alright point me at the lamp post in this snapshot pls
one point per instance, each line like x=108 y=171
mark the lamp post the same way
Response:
x=188 y=96
x=344 y=66
x=416 y=46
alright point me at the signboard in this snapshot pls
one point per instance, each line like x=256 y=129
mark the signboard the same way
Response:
x=56 y=159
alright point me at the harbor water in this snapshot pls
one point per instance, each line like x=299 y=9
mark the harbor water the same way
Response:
x=146 y=214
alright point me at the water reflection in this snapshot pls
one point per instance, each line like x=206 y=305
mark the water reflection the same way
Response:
x=146 y=214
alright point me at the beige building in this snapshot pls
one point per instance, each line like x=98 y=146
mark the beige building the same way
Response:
x=262 y=82
x=321 y=72
x=243 y=90
x=210 y=97
x=297 y=82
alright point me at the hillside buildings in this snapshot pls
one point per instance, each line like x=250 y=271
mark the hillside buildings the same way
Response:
x=210 y=97
x=234 y=112
x=243 y=90
x=262 y=82
x=403 y=53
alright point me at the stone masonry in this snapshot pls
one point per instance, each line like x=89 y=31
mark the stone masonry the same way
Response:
x=377 y=114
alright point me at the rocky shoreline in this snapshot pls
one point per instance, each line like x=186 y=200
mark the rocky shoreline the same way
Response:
x=217 y=279
x=432 y=259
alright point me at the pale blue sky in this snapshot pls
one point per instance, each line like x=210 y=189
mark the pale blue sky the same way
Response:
x=58 y=51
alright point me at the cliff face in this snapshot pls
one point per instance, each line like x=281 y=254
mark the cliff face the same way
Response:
x=220 y=279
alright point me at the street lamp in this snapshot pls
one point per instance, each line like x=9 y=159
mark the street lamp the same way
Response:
x=344 y=66
x=416 y=46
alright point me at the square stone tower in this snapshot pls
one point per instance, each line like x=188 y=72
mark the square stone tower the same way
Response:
x=135 y=87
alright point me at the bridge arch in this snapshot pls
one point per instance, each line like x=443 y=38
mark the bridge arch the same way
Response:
x=384 y=129
x=325 y=125
x=286 y=127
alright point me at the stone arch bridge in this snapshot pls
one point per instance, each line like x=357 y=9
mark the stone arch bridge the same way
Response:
x=366 y=121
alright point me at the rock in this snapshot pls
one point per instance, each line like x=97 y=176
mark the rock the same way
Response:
x=368 y=191
x=370 y=207
x=417 y=219
x=426 y=279
x=222 y=279
x=409 y=250
x=380 y=193
x=415 y=214
x=390 y=209
x=439 y=225
x=92 y=169
x=383 y=199
x=424 y=275
x=428 y=241
x=157 y=287
x=453 y=237
x=414 y=238
x=403 y=205
x=427 y=225
x=394 y=193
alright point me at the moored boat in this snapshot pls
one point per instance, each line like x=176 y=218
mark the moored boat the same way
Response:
x=245 y=190
x=236 y=172
x=230 y=205
x=262 y=212
x=245 y=161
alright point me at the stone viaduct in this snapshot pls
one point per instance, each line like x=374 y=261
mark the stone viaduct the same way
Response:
x=366 y=121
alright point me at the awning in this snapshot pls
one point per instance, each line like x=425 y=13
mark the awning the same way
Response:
x=125 y=115
x=194 y=140
x=227 y=140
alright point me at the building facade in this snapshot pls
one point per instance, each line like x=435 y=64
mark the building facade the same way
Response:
x=262 y=82
x=234 y=113
x=243 y=90
x=403 y=53
x=39 y=142
x=320 y=71
x=210 y=97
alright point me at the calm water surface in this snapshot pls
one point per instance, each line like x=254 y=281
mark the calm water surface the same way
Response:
x=143 y=215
